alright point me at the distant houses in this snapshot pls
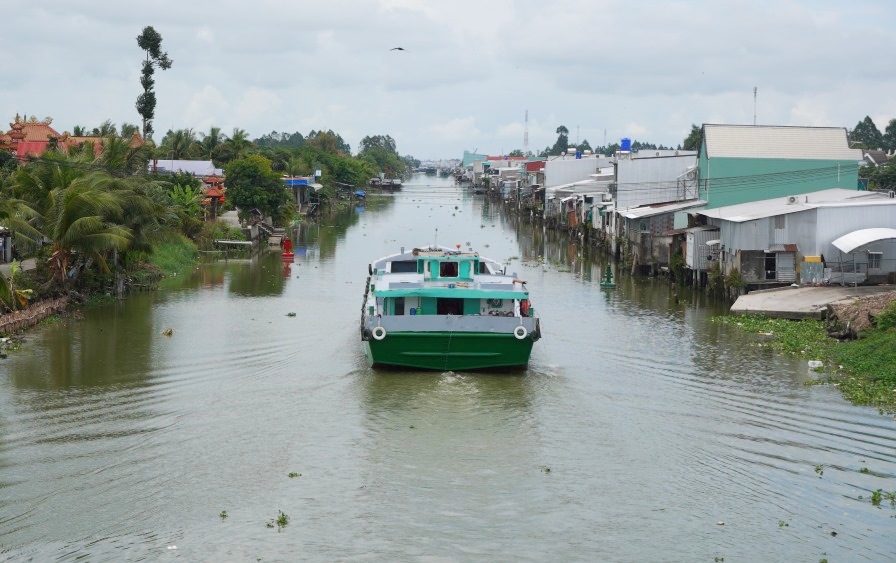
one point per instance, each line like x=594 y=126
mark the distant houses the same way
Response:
x=776 y=204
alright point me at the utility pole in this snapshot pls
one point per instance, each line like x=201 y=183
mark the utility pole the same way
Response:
x=526 y=136
x=754 y=104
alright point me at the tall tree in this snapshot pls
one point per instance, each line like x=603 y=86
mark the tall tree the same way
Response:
x=692 y=141
x=562 y=142
x=251 y=183
x=889 y=138
x=867 y=134
x=151 y=42
x=211 y=142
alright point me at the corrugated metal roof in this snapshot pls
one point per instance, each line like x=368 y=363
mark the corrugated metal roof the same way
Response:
x=763 y=141
x=651 y=210
x=851 y=241
x=783 y=205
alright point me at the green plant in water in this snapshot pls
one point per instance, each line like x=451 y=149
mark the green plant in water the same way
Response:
x=223 y=514
x=282 y=519
x=864 y=470
x=782 y=524
x=876 y=497
x=294 y=474
x=891 y=496
x=819 y=469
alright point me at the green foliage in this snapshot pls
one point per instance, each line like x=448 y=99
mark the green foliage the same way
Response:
x=886 y=320
x=889 y=137
x=151 y=42
x=174 y=255
x=677 y=265
x=13 y=295
x=380 y=152
x=867 y=134
x=186 y=199
x=218 y=230
x=715 y=280
x=252 y=184
x=864 y=369
x=694 y=138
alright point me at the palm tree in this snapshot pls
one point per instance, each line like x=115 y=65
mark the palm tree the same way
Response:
x=81 y=228
x=238 y=143
x=211 y=143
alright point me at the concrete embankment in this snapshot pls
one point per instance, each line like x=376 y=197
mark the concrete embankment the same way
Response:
x=11 y=323
x=800 y=302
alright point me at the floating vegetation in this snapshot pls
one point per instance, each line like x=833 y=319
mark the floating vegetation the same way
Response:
x=864 y=470
x=294 y=474
x=783 y=524
x=282 y=519
x=223 y=514
x=876 y=497
x=819 y=469
x=168 y=332
x=290 y=314
x=864 y=370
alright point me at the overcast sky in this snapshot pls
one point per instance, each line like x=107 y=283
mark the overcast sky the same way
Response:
x=469 y=72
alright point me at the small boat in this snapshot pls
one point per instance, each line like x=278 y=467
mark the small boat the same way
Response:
x=445 y=309
x=396 y=182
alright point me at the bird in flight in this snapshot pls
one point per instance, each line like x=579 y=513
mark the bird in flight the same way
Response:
x=397 y=49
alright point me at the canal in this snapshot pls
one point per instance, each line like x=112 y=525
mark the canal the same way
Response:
x=180 y=424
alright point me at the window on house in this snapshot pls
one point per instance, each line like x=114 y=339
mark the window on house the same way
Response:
x=874 y=259
x=399 y=306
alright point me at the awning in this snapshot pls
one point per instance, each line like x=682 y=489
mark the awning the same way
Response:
x=316 y=186
x=851 y=241
x=713 y=242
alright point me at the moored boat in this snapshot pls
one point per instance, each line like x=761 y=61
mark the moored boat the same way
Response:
x=444 y=309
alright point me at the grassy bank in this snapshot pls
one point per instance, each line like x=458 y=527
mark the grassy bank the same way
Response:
x=863 y=369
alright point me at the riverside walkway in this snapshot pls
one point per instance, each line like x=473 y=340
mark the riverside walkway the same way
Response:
x=800 y=302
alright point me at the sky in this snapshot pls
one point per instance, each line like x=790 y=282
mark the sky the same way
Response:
x=474 y=75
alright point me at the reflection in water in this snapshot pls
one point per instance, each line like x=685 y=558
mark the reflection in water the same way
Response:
x=639 y=424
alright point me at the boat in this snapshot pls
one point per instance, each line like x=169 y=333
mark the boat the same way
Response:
x=438 y=308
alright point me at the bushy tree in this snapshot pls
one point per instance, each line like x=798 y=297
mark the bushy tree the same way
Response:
x=889 y=137
x=866 y=134
x=252 y=184
x=694 y=138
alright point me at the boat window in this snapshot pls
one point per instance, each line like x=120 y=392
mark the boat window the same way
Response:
x=449 y=306
x=448 y=269
x=404 y=266
x=399 y=306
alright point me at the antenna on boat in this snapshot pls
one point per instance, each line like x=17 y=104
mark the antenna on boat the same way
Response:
x=436 y=241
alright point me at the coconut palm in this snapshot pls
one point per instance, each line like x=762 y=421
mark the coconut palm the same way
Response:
x=81 y=225
x=238 y=144
x=211 y=143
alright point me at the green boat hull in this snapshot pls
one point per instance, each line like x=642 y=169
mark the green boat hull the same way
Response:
x=449 y=351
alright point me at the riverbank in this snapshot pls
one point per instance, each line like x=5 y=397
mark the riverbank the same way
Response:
x=863 y=368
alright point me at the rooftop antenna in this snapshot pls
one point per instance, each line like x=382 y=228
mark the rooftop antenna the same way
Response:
x=754 y=104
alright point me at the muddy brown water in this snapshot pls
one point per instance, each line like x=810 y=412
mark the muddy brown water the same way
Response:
x=641 y=431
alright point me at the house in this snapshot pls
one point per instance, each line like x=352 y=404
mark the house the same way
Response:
x=28 y=137
x=743 y=163
x=877 y=158
x=212 y=178
x=777 y=241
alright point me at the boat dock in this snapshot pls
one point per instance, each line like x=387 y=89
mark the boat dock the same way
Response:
x=800 y=302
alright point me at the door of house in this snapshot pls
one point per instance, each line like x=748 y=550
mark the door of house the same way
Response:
x=786 y=267
x=771 y=266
